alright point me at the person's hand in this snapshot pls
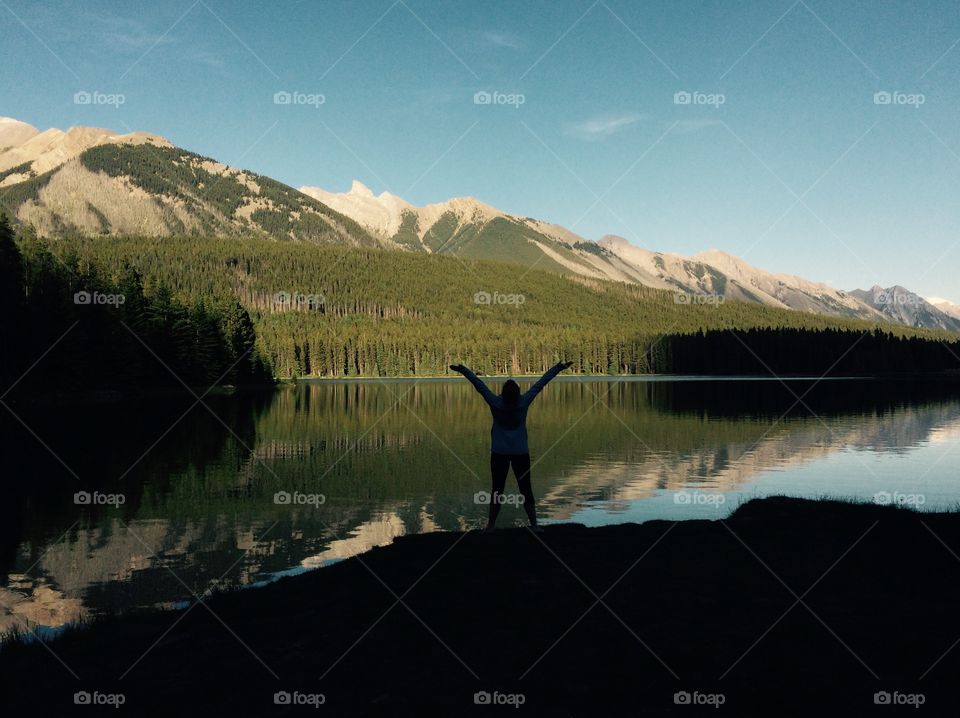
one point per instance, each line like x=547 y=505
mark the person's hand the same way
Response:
x=458 y=368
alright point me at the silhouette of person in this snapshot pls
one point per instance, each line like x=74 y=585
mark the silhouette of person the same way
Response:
x=509 y=437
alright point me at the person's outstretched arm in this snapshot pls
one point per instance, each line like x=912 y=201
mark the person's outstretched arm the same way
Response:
x=548 y=376
x=478 y=384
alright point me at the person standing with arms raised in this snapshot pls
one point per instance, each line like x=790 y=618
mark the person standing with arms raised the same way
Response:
x=509 y=437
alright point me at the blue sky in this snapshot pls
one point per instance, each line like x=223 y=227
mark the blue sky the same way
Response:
x=782 y=156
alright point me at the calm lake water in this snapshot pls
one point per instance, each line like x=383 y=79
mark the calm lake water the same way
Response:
x=265 y=485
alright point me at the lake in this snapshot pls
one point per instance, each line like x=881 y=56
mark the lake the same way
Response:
x=141 y=505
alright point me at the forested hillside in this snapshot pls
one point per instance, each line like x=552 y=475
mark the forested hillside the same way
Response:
x=338 y=311
x=70 y=328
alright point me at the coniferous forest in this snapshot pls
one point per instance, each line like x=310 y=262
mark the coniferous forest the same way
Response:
x=65 y=328
x=201 y=311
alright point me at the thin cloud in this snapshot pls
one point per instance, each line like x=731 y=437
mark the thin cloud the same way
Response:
x=687 y=126
x=501 y=39
x=599 y=128
x=206 y=57
x=130 y=34
x=135 y=41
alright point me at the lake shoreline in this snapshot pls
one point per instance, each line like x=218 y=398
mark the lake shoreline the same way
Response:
x=705 y=610
x=953 y=375
x=121 y=395
x=124 y=395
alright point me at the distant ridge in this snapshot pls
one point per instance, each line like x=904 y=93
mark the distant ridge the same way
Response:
x=904 y=307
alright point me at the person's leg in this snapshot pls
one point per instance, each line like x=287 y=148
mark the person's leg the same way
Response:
x=521 y=469
x=499 y=466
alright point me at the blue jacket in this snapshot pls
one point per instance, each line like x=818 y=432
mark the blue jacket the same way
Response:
x=509 y=430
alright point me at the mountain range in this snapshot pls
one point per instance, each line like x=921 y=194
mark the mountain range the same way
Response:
x=467 y=227
x=97 y=182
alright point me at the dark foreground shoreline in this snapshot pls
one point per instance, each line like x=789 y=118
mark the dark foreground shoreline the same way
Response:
x=691 y=612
